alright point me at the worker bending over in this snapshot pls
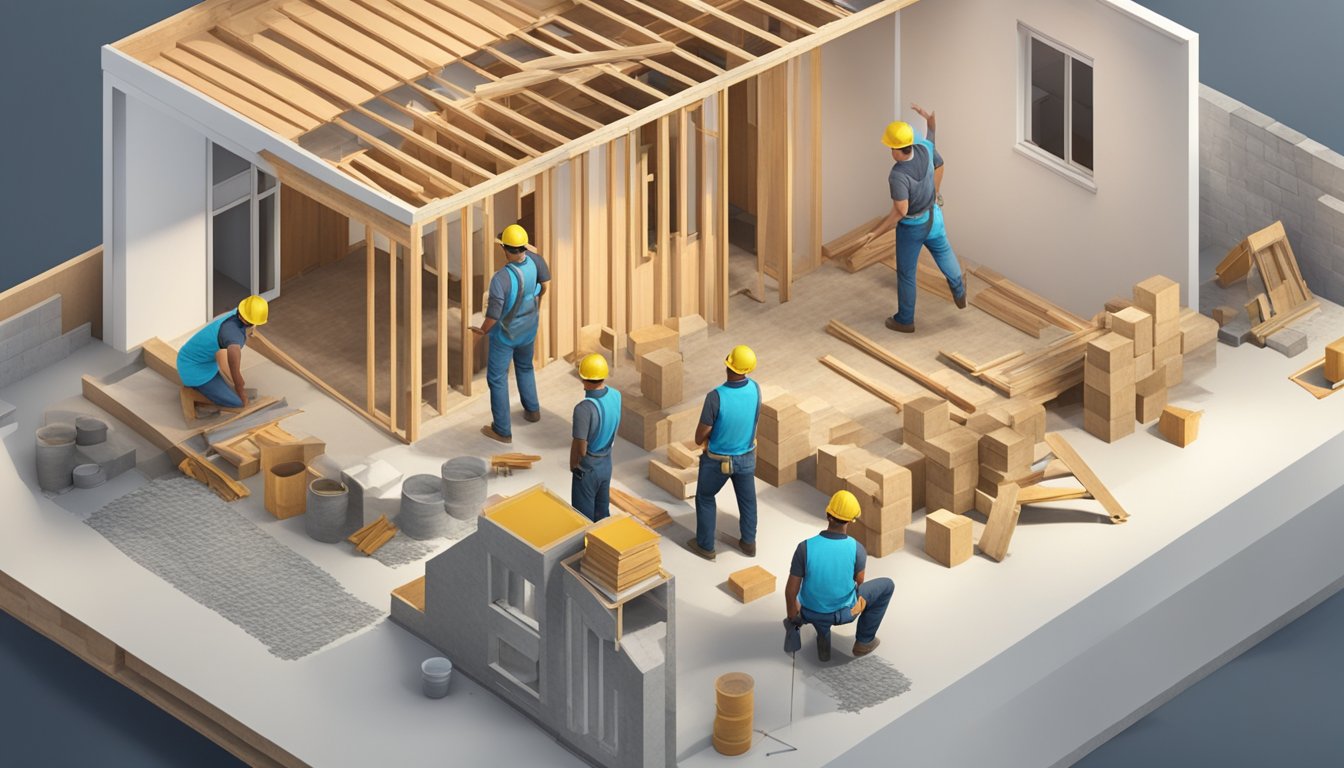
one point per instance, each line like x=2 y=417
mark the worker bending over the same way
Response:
x=199 y=363
x=511 y=316
x=915 y=182
x=826 y=584
x=596 y=418
x=728 y=430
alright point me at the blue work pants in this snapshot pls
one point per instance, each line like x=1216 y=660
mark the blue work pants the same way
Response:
x=711 y=480
x=590 y=493
x=497 y=376
x=910 y=239
x=219 y=392
x=876 y=592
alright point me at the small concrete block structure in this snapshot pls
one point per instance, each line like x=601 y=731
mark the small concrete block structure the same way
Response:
x=751 y=583
x=1289 y=342
x=31 y=340
x=1236 y=332
x=947 y=537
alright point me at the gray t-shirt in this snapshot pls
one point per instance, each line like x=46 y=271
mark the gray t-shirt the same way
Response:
x=585 y=418
x=911 y=180
x=500 y=284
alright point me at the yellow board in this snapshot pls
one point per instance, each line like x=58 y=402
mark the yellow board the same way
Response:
x=622 y=534
x=536 y=516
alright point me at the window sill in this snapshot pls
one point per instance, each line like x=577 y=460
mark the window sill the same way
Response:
x=1055 y=164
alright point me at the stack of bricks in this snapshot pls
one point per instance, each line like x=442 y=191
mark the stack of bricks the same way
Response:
x=1108 y=387
x=951 y=468
x=1005 y=457
x=783 y=438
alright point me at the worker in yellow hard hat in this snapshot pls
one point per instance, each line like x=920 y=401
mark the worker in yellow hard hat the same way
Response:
x=511 y=316
x=596 y=418
x=727 y=429
x=915 y=183
x=826 y=583
x=201 y=361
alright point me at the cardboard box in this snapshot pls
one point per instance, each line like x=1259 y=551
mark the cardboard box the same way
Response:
x=947 y=537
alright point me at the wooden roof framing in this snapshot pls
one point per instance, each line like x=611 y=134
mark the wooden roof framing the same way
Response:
x=436 y=98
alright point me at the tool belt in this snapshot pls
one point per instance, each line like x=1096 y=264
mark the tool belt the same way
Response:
x=726 y=462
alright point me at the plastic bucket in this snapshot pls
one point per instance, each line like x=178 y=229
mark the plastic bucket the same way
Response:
x=55 y=456
x=435 y=674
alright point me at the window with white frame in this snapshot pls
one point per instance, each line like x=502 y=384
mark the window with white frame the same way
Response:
x=1057 y=113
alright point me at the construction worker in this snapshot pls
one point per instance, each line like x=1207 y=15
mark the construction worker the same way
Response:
x=727 y=429
x=915 y=182
x=826 y=583
x=199 y=361
x=596 y=418
x=511 y=316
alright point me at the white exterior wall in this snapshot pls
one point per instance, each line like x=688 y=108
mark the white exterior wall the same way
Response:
x=1074 y=246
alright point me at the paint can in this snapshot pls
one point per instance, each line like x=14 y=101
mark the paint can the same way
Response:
x=90 y=431
x=435 y=674
x=422 y=513
x=328 y=501
x=55 y=457
x=464 y=486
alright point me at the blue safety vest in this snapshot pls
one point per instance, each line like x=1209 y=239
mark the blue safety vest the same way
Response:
x=608 y=408
x=828 y=584
x=922 y=218
x=734 y=431
x=518 y=320
x=196 y=359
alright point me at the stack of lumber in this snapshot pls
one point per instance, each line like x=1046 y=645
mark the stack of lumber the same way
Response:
x=1108 y=387
x=784 y=438
x=847 y=252
x=1005 y=459
x=1027 y=305
x=999 y=303
x=654 y=337
x=660 y=378
x=1041 y=375
x=619 y=553
x=650 y=427
x=951 y=469
x=243 y=452
x=877 y=351
x=1285 y=296
x=372 y=536
x=679 y=475
x=505 y=463
x=201 y=470
x=647 y=513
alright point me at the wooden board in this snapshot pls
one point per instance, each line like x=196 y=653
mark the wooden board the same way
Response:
x=999 y=306
x=1002 y=522
x=1066 y=453
x=412 y=593
x=1037 y=494
x=865 y=344
x=881 y=392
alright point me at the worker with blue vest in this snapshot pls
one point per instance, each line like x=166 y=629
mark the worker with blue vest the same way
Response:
x=827 y=587
x=199 y=360
x=727 y=429
x=596 y=418
x=511 y=317
x=915 y=184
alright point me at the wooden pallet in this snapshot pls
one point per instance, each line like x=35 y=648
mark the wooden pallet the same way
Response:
x=1286 y=297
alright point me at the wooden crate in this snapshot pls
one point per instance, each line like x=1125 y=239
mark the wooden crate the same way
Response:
x=751 y=583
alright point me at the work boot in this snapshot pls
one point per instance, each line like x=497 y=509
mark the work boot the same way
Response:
x=708 y=554
x=748 y=547
x=489 y=431
x=900 y=327
x=824 y=647
x=961 y=300
x=863 y=649
x=533 y=416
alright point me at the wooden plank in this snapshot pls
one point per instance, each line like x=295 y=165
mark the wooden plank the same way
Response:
x=815 y=96
x=701 y=35
x=392 y=350
x=683 y=216
x=277 y=84
x=734 y=21
x=1066 y=453
x=329 y=196
x=441 y=316
x=721 y=213
x=997 y=306
x=872 y=387
x=512 y=115
x=693 y=60
x=464 y=139
x=407 y=162
x=1038 y=494
x=468 y=298
x=488 y=127
x=386 y=58
x=370 y=254
x=415 y=273
x=479 y=14
x=431 y=55
x=349 y=65
x=1002 y=522
x=161 y=359
x=1260 y=333
x=573 y=60
x=297 y=66
x=434 y=148
x=388 y=178
x=863 y=343
x=663 y=181
x=443 y=21
x=279 y=116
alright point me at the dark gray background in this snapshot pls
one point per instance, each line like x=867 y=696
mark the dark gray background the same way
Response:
x=1277 y=705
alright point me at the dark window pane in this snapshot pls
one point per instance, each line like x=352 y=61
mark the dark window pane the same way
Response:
x=266 y=244
x=1082 y=114
x=1047 y=98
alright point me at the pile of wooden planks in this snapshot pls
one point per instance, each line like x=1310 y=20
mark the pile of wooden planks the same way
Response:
x=647 y=513
x=1000 y=303
x=865 y=344
x=373 y=536
x=1285 y=297
x=619 y=553
x=505 y=463
x=1023 y=304
x=847 y=252
x=1041 y=375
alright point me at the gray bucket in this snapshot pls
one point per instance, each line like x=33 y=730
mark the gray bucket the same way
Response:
x=422 y=515
x=324 y=519
x=89 y=476
x=90 y=431
x=464 y=486
x=55 y=457
x=435 y=674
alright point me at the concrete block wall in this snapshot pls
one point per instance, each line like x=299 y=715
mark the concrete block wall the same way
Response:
x=32 y=340
x=1253 y=170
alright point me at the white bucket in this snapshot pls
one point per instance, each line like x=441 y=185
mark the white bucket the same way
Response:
x=435 y=674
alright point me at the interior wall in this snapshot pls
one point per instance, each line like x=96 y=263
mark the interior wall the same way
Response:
x=158 y=221
x=1072 y=245
x=860 y=94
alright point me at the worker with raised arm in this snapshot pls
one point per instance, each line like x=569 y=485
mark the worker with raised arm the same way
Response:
x=727 y=429
x=511 y=317
x=211 y=362
x=596 y=418
x=915 y=184
x=827 y=587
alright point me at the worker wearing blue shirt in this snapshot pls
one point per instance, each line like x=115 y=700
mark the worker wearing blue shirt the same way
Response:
x=198 y=361
x=596 y=418
x=727 y=429
x=915 y=182
x=826 y=584
x=511 y=316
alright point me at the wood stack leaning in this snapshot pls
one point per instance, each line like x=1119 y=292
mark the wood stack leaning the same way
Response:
x=619 y=553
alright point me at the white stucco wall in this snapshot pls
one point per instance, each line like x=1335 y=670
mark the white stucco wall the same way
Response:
x=1074 y=246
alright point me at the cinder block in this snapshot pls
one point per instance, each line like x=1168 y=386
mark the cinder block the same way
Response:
x=1236 y=332
x=947 y=537
x=1289 y=342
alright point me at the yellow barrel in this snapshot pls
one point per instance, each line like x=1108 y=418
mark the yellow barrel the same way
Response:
x=733 y=729
x=731 y=748
x=733 y=694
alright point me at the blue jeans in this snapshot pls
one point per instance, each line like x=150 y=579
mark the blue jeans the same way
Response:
x=877 y=592
x=497 y=376
x=220 y=393
x=710 y=482
x=910 y=239
x=591 y=494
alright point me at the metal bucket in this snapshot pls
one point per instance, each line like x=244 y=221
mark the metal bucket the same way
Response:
x=422 y=515
x=435 y=674
x=464 y=486
x=328 y=501
x=55 y=457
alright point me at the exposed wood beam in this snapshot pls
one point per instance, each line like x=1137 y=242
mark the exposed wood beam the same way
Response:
x=354 y=41
x=335 y=199
x=586 y=58
x=779 y=14
x=460 y=110
x=467 y=292
x=297 y=67
x=351 y=66
x=439 y=151
x=415 y=273
x=728 y=18
x=370 y=269
x=430 y=55
x=454 y=132
x=407 y=162
x=213 y=50
x=513 y=115
x=247 y=107
x=401 y=185
x=701 y=35
x=582 y=31
x=602 y=10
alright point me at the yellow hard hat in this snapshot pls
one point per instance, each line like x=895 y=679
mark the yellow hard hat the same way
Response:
x=741 y=360
x=513 y=236
x=843 y=506
x=593 y=368
x=898 y=135
x=254 y=310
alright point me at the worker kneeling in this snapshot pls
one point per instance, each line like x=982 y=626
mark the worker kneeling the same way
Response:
x=596 y=418
x=198 y=362
x=826 y=585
